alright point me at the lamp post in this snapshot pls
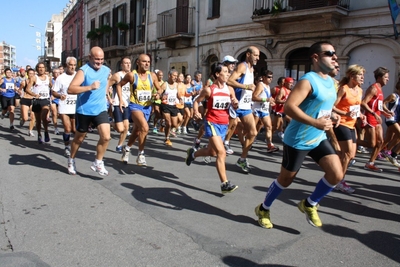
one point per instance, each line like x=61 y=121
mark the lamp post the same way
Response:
x=39 y=34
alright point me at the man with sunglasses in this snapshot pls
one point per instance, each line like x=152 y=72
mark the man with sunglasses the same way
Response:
x=310 y=106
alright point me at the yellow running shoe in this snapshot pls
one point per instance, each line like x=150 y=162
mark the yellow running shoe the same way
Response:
x=263 y=217
x=311 y=214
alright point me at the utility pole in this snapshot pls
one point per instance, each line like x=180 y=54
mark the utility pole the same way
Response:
x=43 y=52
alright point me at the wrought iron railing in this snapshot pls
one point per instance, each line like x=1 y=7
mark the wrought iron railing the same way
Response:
x=179 y=20
x=263 y=7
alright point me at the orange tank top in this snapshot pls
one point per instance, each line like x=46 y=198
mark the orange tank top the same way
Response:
x=350 y=102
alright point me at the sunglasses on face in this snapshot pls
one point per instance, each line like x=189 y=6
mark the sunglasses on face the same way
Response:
x=329 y=53
x=269 y=77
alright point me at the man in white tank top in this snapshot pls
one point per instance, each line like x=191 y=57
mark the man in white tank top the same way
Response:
x=168 y=105
x=121 y=119
x=242 y=79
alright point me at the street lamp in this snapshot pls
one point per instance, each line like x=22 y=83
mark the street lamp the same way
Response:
x=39 y=34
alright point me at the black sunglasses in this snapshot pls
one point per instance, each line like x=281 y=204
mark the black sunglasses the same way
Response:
x=329 y=53
x=269 y=77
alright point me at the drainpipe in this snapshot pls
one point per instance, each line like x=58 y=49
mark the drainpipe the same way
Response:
x=146 y=26
x=197 y=35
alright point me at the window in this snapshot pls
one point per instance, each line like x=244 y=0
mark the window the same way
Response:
x=77 y=34
x=137 y=21
x=104 y=19
x=70 y=37
x=119 y=15
x=181 y=67
x=92 y=24
x=214 y=9
x=297 y=63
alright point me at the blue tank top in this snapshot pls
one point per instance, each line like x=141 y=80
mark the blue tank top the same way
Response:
x=303 y=136
x=197 y=85
x=10 y=86
x=93 y=102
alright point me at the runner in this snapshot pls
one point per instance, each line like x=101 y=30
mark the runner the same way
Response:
x=121 y=118
x=7 y=95
x=310 y=105
x=141 y=82
x=67 y=103
x=219 y=96
x=90 y=86
x=39 y=87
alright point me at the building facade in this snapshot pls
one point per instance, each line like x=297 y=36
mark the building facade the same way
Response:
x=8 y=56
x=53 y=41
x=73 y=27
x=190 y=35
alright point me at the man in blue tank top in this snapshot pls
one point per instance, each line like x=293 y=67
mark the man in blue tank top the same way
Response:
x=7 y=96
x=310 y=107
x=90 y=84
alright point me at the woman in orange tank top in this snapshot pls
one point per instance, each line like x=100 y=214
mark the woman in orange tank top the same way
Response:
x=347 y=105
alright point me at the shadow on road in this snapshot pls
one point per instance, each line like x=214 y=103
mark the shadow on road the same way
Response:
x=242 y=262
x=384 y=243
x=175 y=199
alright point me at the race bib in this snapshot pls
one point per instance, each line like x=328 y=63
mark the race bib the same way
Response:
x=44 y=95
x=324 y=113
x=265 y=107
x=380 y=105
x=221 y=102
x=171 y=99
x=68 y=105
x=245 y=101
x=144 y=96
x=356 y=110
x=126 y=88
x=9 y=86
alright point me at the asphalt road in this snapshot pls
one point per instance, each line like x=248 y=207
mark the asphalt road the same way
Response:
x=169 y=214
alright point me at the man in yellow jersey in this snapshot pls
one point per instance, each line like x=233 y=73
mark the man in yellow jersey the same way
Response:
x=141 y=81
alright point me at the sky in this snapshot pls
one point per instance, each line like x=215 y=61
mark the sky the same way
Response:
x=15 y=29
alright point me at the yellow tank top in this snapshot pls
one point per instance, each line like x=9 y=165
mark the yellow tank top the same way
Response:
x=141 y=90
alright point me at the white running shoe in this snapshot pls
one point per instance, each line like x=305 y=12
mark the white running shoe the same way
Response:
x=71 y=167
x=141 y=160
x=125 y=155
x=99 y=168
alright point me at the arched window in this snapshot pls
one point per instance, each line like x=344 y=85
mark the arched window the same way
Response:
x=297 y=63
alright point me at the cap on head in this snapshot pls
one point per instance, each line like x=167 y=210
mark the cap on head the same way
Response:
x=289 y=80
x=21 y=69
x=229 y=59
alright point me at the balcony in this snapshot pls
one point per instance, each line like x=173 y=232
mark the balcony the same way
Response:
x=49 y=27
x=49 y=52
x=176 y=25
x=275 y=14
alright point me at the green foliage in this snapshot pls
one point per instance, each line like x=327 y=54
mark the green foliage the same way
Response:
x=122 y=26
x=92 y=35
x=277 y=7
x=105 y=28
